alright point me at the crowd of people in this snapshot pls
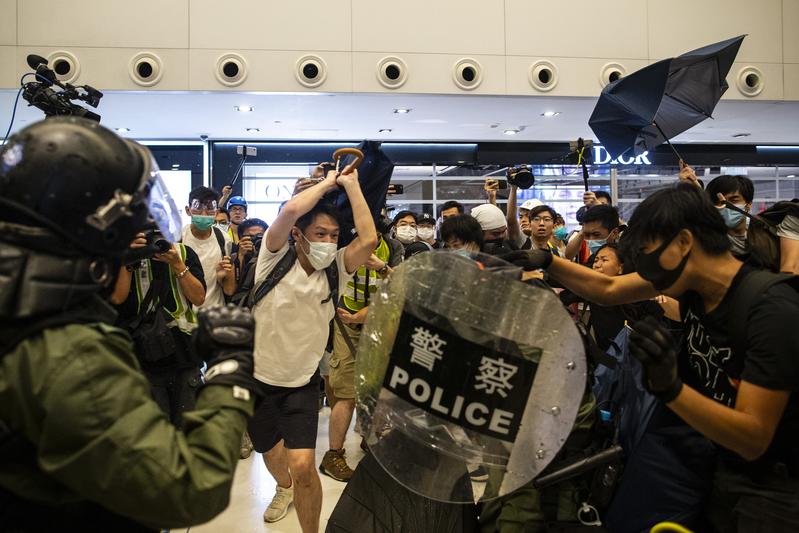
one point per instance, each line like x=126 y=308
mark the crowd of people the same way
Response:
x=690 y=284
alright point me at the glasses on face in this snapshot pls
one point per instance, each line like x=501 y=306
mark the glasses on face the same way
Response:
x=546 y=220
x=196 y=205
x=237 y=209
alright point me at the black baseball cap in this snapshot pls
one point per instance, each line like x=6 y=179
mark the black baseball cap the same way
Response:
x=425 y=218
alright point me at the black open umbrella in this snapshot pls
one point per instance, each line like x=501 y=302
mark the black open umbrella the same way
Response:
x=658 y=102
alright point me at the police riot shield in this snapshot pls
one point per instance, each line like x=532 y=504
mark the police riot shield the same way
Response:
x=463 y=370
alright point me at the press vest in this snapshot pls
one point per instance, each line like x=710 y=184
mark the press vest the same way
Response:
x=365 y=282
x=178 y=307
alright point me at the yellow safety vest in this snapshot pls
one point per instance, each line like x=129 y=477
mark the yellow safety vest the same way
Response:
x=364 y=280
x=179 y=308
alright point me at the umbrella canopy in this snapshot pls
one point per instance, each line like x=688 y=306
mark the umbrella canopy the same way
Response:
x=662 y=100
x=374 y=175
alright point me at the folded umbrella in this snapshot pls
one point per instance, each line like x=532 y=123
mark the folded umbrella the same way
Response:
x=374 y=175
x=652 y=105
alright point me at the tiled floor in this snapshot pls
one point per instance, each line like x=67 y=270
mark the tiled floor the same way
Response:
x=253 y=489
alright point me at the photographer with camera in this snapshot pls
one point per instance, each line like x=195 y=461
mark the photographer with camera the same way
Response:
x=155 y=299
x=85 y=447
x=251 y=234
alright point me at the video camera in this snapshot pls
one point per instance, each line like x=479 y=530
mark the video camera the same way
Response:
x=41 y=95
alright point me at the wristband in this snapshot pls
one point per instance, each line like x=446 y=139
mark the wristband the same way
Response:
x=183 y=273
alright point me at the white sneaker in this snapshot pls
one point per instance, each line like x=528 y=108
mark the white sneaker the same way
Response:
x=279 y=506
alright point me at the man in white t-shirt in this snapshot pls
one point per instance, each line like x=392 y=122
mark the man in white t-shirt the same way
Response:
x=292 y=324
x=212 y=245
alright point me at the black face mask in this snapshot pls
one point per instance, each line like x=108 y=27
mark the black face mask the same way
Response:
x=648 y=267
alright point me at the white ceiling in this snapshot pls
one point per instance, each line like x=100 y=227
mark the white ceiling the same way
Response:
x=348 y=116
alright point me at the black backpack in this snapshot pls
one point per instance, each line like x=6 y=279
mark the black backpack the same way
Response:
x=282 y=268
x=750 y=289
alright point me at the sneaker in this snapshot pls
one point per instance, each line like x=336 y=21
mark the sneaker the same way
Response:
x=279 y=506
x=334 y=464
x=246 y=446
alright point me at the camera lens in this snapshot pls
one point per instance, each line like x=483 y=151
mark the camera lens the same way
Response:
x=310 y=71
x=162 y=245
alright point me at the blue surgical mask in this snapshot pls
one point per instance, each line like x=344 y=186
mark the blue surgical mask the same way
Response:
x=202 y=222
x=595 y=245
x=561 y=233
x=731 y=217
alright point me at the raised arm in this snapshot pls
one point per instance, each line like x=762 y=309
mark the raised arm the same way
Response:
x=514 y=230
x=360 y=249
x=300 y=204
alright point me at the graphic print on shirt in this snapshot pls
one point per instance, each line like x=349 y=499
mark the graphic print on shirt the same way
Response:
x=707 y=362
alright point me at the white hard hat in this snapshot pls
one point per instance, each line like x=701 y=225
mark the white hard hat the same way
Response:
x=530 y=204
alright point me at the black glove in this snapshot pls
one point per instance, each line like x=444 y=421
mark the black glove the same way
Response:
x=224 y=340
x=529 y=259
x=653 y=345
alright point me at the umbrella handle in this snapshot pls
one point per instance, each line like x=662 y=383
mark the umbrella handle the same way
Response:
x=342 y=152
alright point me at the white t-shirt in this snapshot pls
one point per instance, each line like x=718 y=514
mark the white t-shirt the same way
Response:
x=291 y=322
x=210 y=255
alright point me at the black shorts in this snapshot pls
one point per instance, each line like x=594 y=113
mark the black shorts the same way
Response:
x=288 y=413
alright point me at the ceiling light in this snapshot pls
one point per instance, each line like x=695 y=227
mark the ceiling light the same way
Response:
x=402 y=110
x=244 y=108
x=176 y=165
x=791 y=176
x=384 y=130
x=122 y=130
x=511 y=132
x=737 y=135
x=253 y=130
x=550 y=114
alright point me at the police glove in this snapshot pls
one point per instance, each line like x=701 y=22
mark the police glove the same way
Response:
x=653 y=346
x=529 y=259
x=224 y=340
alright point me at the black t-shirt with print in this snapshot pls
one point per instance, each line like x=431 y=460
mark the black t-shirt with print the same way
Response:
x=708 y=364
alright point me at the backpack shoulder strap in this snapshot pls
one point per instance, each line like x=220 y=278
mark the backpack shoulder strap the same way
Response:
x=278 y=272
x=331 y=272
x=220 y=238
x=749 y=291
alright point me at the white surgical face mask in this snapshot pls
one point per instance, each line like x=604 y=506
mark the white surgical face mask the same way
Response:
x=425 y=233
x=406 y=234
x=320 y=254
x=224 y=227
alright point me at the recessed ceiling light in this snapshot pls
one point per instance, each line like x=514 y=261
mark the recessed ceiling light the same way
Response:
x=244 y=108
x=402 y=110
x=176 y=165
x=122 y=130
x=791 y=176
x=384 y=130
x=511 y=132
x=550 y=114
x=253 y=130
x=742 y=135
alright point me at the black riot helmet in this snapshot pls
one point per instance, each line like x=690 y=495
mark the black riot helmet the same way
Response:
x=85 y=185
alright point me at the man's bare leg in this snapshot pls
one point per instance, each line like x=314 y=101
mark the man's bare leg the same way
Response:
x=340 y=418
x=307 y=488
x=276 y=461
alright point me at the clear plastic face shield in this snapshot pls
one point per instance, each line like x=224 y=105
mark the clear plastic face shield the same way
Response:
x=152 y=193
x=480 y=371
